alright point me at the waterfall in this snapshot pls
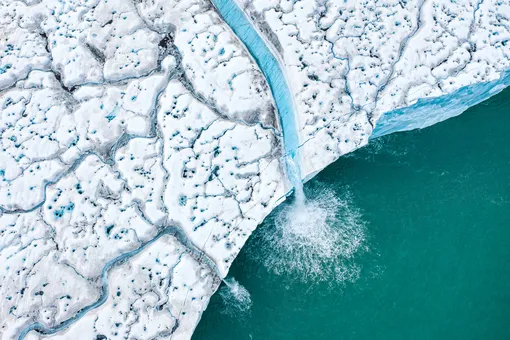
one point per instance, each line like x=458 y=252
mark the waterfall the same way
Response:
x=294 y=176
x=235 y=297
x=312 y=238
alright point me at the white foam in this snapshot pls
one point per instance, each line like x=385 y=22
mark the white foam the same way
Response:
x=313 y=239
x=236 y=298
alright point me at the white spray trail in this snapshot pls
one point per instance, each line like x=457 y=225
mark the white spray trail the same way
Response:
x=313 y=239
x=236 y=298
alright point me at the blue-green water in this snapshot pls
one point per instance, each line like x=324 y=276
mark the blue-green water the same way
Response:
x=432 y=207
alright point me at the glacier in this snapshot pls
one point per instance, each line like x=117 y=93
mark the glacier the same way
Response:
x=143 y=142
x=134 y=139
x=350 y=63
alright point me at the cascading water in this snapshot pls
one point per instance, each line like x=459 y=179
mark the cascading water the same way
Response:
x=294 y=176
x=314 y=238
x=235 y=297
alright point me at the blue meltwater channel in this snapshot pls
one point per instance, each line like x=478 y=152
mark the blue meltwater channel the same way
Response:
x=270 y=67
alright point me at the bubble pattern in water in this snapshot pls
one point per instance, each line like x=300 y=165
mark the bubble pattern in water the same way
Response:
x=313 y=240
x=236 y=298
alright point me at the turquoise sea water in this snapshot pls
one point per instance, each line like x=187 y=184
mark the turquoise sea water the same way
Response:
x=427 y=215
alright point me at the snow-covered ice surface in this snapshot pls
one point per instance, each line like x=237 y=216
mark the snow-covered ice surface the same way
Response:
x=141 y=144
x=140 y=149
x=350 y=63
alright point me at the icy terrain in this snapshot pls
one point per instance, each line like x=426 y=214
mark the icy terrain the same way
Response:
x=351 y=63
x=140 y=148
x=141 y=144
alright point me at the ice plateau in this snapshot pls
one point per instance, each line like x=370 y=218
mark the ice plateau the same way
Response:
x=143 y=141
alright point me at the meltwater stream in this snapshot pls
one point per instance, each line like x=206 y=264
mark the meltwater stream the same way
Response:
x=315 y=237
x=312 y=237
x=270 y=67
x=104 y=284
x=324 y=228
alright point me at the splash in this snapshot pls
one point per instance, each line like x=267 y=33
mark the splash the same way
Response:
x=236 y=298
x=314 y=239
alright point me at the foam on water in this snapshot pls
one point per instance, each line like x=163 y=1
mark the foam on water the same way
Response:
x=236 y=298
x=313 y=239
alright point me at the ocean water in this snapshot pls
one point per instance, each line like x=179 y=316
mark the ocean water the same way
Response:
x=409 y=238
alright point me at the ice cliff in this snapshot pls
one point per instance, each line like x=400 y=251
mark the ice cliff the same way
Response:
x=141 y=143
